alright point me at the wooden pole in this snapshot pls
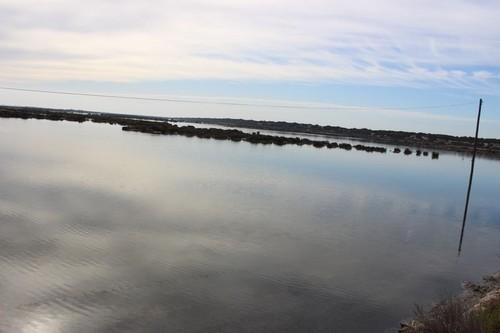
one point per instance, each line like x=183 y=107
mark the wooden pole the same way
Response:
x=470 y=176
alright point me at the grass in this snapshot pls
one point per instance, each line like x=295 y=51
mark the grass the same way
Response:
x=490 y=318
x=455 y=316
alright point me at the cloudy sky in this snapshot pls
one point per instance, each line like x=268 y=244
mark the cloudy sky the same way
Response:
x=360 y=63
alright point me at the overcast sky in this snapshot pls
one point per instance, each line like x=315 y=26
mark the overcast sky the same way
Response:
x=387 y=53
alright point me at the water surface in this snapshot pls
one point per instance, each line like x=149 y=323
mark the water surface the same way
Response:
x=110 y=231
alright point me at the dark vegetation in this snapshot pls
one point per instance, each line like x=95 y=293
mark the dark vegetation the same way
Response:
x=159 y=125
x=487 y=147
x=475 y=311
x=455 y=316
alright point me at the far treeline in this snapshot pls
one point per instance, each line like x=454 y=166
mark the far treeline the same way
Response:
x=166 y=126
x=485 y=147
x=160 y=126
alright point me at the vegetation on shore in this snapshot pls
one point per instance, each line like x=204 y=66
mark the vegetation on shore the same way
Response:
x=465 y=144
x=477 y=310
x=157 y=125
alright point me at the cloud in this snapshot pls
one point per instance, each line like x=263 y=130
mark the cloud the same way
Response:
x=449 y=43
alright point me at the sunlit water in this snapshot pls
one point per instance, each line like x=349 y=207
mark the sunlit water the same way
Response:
x=110 y=231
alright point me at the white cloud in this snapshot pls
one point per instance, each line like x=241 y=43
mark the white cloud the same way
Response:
x=482 y=74
x=378 y=42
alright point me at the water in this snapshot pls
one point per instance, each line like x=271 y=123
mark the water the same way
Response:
x=110 y=231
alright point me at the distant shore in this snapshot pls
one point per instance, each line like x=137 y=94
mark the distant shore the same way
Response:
x=461 y=144
x=420 y=144
x=161 y=126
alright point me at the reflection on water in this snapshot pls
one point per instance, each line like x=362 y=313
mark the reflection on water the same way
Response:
x=107 y=231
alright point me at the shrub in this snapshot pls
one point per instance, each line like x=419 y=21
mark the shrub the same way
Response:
x=455 y=315
x=490 y=318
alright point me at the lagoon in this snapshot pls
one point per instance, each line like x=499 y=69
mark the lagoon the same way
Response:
x=103 y=230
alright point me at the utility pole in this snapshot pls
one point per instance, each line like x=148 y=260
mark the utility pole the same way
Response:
x=470 y=177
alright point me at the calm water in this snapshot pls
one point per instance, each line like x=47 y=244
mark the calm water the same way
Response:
x=110 y=231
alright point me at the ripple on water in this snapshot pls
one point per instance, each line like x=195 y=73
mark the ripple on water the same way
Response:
x=214 y=237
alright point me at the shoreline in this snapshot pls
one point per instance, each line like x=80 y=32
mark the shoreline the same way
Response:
x=476 y=309
x=165 y=126
x=486 y=147
x=408 y=143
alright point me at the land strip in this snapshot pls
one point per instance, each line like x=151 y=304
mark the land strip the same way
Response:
x=461 y=144
x=167 y=126
x=156 y=125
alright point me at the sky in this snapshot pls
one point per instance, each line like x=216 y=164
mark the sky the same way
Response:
x=386 y=64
